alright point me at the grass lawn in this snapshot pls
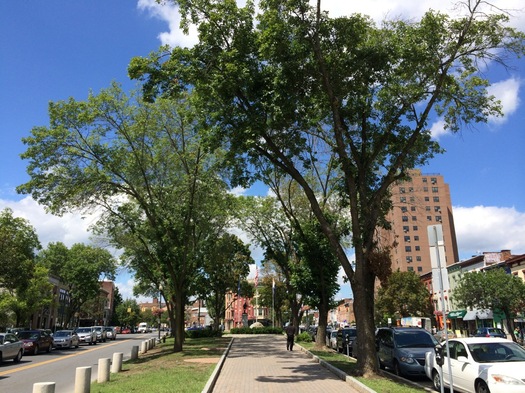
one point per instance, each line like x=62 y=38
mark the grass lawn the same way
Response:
x=162 y=371
x=349 y=366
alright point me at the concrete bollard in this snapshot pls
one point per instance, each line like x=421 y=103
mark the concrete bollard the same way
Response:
x=116 y=365
x=143 y=347
x=103 y=370
x=134 y=352
x=44 y=387
x=83 y=379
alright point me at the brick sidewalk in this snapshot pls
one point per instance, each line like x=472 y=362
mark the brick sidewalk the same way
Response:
x=261 y=363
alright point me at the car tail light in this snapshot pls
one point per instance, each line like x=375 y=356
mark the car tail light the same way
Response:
x=487 y=335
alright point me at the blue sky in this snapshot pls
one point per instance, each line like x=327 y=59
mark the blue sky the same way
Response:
x=51 y=50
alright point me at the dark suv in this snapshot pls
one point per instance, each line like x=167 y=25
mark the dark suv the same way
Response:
x=403 y=349
x=490 y=332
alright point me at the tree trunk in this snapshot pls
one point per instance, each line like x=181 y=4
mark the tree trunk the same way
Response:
x=178 y=327
x=320 y=338
x=363 y=290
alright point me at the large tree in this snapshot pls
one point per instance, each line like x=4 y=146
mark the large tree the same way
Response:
x=403 y=295
x=24 y=286
x=270 y=85
x=494 y=290
x=80 y=268
x=142 y=166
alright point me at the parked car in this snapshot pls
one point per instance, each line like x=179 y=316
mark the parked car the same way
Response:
x=101 y=333
x=66 y=339
x=86 y=335
x=490 y=332
x=125 y=331
x=111 y=332
x=331 y=339
x=10 y=347
x=480 y=365
x=345 y=337
x=35 y=341
x=403 y=349
x=440 y=335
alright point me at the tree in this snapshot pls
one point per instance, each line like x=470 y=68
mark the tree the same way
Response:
x=368 y=93
x=80 y=268
x=403 y=295
x=226 y=260
x=142 y=165
x=25 y=285
x=128 y=313
x=493 y=289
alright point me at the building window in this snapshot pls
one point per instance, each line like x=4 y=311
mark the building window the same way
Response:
x=405 y=218
x=412 y=199
x=401 y=190
x=410 y=269
x=412 y=208
x=434 y=189
x=414 y=218
x=427 y=199
x=404 y=209
x=418 y=248
x=407 y=239
x=427 y=208
x=408 y=249
x=424 y=180
x=429 y=218
x=415 y=228
x=438 y=218
x=437 y=209
x=416 y=238
x=403 y=199
x=425 y=189
x=419 y=269
x=409 y=259
x=418 y=258
x=410 y=189
x=433 y=180
x=436 y=199
x=405 y=229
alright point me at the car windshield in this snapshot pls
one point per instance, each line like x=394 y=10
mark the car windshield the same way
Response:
x=62 y=333
x=350 y=332
x=28 y=335
x=415 y=339
x=85 y=330
x=497 y=352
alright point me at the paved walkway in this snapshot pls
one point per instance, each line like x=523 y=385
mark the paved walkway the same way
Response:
x=261 y=363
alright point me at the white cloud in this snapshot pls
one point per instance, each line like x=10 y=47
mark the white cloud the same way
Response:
x=438 y=129
x=489 y=228
x=507 y=92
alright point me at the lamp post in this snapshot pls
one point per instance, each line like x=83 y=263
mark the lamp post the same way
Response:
x=160 y=306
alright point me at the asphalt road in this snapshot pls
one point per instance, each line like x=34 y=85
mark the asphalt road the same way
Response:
x=59 y=365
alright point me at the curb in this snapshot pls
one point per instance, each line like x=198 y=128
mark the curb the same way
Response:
x=354 y=383
x=213 y=378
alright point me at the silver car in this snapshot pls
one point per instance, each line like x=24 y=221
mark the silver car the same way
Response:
x=10 y=347
x=66 y=339
x=111 y=332
x=86 y=335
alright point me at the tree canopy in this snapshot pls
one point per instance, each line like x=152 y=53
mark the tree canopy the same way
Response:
x=272 y=83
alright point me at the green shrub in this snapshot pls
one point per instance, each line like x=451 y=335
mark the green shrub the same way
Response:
x=304 y=337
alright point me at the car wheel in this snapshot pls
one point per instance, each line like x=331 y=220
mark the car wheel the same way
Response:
x=35 y=350
x=48 y=348
x=436 y=380
x=76 y=346
x=397 y=371
x=481 y=387
x=18 y=356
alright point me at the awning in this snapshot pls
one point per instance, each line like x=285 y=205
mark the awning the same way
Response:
x=470 y=315
x=485 y=314
x=456 y=314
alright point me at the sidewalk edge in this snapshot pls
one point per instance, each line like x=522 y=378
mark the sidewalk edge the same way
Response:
x=340 y=374
x=213 y=377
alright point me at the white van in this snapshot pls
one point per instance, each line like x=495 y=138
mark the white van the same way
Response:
x=143 y=327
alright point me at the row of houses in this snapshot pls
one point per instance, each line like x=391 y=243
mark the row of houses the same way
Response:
x=463 y=321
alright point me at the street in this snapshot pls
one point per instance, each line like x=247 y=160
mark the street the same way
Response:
x=60 y=364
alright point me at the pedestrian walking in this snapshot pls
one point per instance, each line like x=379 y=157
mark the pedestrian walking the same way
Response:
x=290 y=333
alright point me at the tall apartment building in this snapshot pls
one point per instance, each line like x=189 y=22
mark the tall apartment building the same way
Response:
x=422 y=201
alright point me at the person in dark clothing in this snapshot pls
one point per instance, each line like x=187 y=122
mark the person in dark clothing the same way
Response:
x=290 y=333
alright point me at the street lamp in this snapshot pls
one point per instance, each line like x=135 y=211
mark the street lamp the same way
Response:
x=160 y=305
